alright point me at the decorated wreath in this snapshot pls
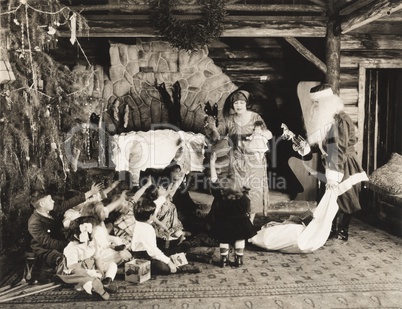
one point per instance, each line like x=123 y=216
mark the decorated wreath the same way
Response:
x=188 y=35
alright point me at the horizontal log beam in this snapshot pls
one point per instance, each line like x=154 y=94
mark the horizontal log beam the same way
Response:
x=256 y=28
x=380 y=27
x=349 y=96
x=369 y=14
x=241 y=77
x=349 y=78
x=251 y=53
x=368 y=42
x=248 y=65
x=254 y=43
x=142 y=18
x=321 y=3
x=352 y=59
x=257 y=8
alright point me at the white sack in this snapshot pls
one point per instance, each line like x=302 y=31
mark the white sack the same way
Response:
x=317 y=231
x=297 y=238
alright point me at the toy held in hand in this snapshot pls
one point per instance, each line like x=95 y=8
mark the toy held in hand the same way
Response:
x=299 y=143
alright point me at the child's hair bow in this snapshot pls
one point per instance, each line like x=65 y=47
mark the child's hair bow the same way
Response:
x=85 y=229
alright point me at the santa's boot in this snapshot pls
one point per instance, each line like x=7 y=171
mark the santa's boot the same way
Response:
x=343 y=234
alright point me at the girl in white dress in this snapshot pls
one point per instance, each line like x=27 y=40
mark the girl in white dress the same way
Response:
x=79 y=262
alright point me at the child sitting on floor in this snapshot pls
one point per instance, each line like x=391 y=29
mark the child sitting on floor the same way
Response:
x=143 y=244
x=79 y=265
x=109 y=250
x=45 y=226
x=123 y=225
x=165 y=219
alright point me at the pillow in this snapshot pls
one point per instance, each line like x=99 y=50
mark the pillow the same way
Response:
x=389 y=176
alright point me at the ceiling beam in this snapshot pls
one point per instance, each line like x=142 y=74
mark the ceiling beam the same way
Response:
x=321 y=3
x=145 y=18
x=369 y=14
x=340 y=4
x=354 y=6
x=257 y=8
x=306 y=53
x=296 y=26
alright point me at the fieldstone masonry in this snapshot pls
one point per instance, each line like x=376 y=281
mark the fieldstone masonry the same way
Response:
x=129 y=91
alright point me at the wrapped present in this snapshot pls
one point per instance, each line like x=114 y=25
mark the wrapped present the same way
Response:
x=138 y=271
x=179 y=259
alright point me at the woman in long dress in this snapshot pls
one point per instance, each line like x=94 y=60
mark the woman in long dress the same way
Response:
x=247 y=168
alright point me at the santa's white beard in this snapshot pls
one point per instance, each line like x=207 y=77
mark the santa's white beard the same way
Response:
x=320 y=118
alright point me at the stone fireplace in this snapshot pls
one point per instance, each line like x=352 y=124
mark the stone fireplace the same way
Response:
x=128 y=87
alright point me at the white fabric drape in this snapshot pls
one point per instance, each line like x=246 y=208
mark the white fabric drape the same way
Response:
x=297 y=238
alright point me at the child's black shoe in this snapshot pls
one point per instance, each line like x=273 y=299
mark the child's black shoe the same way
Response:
x=109 y=286
x=120 y=247
x=238 y=260
x=224 y=261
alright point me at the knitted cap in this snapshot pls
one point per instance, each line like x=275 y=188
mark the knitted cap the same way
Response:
x=321 y=91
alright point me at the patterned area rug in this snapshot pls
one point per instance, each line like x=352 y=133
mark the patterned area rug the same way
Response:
x=365 y=272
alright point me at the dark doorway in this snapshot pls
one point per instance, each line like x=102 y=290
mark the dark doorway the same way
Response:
x=383 y=113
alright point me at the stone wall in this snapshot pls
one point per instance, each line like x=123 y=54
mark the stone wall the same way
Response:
x=128 y=88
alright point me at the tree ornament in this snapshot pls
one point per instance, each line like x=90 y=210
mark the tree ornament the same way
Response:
x=191 y=35
x=51 y=30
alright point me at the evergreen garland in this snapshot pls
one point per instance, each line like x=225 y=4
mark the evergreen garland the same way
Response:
x=188 y=35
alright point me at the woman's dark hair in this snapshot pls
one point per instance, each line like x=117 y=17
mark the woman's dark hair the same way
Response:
x=235 y=96
x=262 y=100
x=73 y=231
x=144 y=209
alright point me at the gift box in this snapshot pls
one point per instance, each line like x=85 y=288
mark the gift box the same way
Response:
x=138 y=271
x=179 y=259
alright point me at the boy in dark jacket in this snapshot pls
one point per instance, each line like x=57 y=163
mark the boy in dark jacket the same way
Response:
x=46 y=228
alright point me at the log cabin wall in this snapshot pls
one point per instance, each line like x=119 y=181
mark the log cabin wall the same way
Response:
x=376 y=45
x=258 y=50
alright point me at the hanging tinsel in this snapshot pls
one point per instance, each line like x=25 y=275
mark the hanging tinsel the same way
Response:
x=33 y=109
